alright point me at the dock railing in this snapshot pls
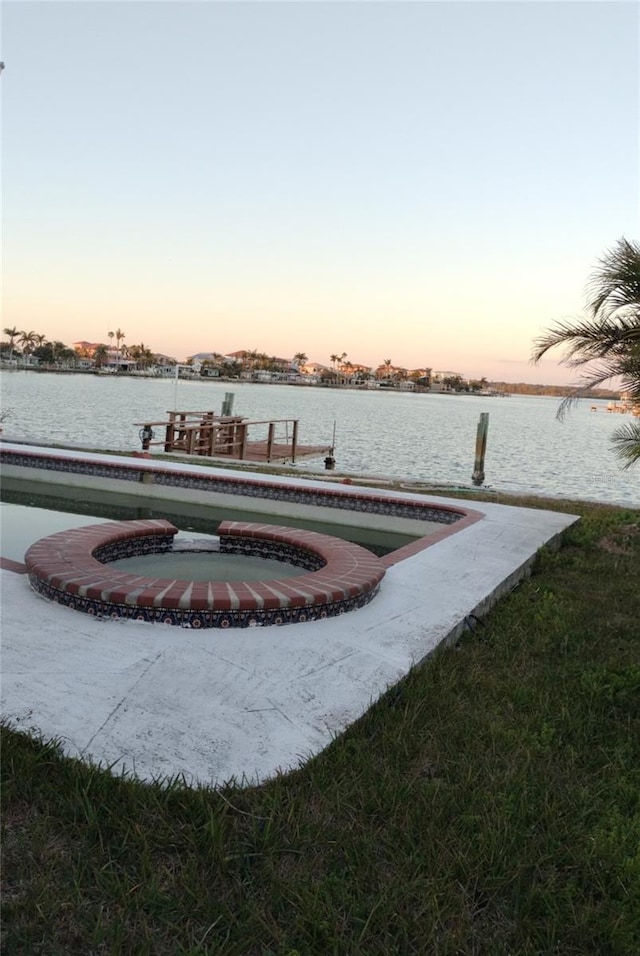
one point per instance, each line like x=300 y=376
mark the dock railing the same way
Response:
x=207 y=434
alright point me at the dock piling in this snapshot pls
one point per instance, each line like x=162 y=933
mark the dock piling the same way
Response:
x=481 y=447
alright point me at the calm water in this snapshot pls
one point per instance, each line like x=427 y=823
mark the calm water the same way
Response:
x=397 y=435
x=207 y=567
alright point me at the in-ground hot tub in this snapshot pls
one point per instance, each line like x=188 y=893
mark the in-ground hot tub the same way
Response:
x=73 y=568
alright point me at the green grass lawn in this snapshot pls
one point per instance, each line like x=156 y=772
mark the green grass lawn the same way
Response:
x=488 y=804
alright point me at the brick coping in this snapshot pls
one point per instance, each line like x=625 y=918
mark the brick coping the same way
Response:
x=72 y=568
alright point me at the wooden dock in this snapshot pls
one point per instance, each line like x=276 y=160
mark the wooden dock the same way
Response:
x=624 y=407
x=230 y=437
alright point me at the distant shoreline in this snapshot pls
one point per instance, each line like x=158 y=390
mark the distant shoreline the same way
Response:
x=496 y=389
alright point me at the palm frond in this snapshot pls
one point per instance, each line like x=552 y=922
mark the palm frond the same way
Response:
x=627 y=442
x=615 y=284
x=588 y=339
x=605 y=345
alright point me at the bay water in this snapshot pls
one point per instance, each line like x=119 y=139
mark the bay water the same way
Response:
x=397 y=435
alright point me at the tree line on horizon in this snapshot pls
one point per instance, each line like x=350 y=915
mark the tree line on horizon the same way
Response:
x=56 y=353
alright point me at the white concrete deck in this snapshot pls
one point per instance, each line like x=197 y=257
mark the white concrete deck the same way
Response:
x=211 y=705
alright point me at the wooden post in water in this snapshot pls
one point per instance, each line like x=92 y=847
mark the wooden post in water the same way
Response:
x=272 y=430
x=243 y=430
x=481 y=447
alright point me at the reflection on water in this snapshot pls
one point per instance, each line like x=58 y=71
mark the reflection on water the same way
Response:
x=427 y=438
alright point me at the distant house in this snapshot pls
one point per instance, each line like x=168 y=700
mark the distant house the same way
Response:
x=115 y=359
x=201 y=357
x=29 y=361
x=162 y=367
x=440 y=381
x=390 y=372
x=313 y=368
x=86 y=349
x=355 y=371
x=262 y=375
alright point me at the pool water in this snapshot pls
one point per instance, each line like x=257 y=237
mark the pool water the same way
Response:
x=207 y=566
x=26 y=515
x=21 y=526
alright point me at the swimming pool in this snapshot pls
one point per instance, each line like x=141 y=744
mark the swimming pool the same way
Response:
x=69 y=566
x=169 y=486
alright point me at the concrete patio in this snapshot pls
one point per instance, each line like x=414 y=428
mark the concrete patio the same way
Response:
x=213 y=705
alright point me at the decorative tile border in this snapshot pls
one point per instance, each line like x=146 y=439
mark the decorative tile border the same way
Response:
x=272 y=550
x=340 y=498
x=69 y=568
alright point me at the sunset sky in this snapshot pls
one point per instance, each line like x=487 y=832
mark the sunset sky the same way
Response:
x=426 y=182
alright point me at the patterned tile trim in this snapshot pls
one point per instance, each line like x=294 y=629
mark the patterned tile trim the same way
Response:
x=204 y=619
x=242 y=487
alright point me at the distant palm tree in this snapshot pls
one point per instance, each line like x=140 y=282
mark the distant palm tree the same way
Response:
x=251 y=359
x=12 y=334
x=384 y=369
x=64 y=355
x=27 y=341
x=300 y=358
x=101 y=355
x=606 y=344
x=119 y=338
x=142 y=355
